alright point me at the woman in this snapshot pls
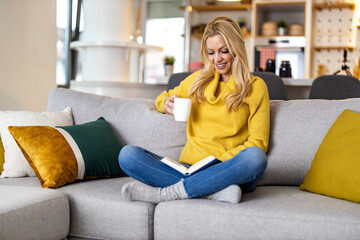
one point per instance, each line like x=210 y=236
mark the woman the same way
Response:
x=230 y=119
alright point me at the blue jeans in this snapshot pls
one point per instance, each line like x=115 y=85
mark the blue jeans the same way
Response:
x=244 y=169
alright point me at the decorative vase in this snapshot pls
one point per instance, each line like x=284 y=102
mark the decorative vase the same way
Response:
x=281 y=31
x=169 y=69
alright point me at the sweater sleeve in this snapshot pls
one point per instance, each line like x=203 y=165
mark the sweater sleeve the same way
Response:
x=182 y=91
x=258 y=121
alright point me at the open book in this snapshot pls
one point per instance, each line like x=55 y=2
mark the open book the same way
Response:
x=204 y=163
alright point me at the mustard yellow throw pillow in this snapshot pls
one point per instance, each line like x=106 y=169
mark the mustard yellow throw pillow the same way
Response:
x=2 y=160
x=61 y=155
x=335 y=170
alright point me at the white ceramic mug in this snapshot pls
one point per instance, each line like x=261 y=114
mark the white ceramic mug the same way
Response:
x=182 y=107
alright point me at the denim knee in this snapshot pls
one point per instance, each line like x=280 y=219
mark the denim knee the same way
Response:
x=125 y=156
x=258 y=158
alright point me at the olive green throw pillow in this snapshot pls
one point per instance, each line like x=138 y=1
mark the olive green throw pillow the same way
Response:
x=62 y=155
x=335 y=170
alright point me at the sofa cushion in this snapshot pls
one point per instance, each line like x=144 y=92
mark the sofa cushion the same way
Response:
x=62 y=155
x=335 y=170
x=15 y=163
x=271 y=212
x=22 y=182
x=33 y=213
x=135 y=121
x=98 y=211
x=296 y=132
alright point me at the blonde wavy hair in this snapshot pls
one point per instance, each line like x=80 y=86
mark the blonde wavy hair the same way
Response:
x=231 y=32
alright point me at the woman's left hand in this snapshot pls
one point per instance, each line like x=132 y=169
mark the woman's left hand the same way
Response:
x=169 y=104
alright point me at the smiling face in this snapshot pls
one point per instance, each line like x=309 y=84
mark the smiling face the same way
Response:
x=220 y=56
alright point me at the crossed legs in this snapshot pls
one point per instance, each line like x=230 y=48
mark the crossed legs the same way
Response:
x=162 y=183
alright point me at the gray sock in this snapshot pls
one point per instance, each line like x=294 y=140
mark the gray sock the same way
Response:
x=138 y=191
x=231 y=194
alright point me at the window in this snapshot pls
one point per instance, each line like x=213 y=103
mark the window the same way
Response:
x=61 y=22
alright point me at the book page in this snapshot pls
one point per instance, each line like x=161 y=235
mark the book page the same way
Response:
x=201 y=164
x=174 y=164
x=210 y=160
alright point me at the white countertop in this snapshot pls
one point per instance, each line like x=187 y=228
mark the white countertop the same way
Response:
x=298 y=82
x=287 y=81
x=164 y=80
x=119 y=44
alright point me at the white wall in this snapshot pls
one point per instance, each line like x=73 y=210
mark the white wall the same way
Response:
x=27 y=53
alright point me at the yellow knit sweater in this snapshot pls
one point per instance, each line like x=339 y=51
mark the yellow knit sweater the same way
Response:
x=212 y=130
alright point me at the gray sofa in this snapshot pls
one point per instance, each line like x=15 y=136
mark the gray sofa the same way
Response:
x=94 y=209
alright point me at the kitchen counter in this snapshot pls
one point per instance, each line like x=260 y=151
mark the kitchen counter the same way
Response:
x=297 y=88
x=287 y=81
x=298 y=82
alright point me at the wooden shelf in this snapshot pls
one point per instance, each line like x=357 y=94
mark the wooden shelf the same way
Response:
x=342 y=5
x=199 y=35
x=225 y=7
x=281 y=5
x=274 y=36
x=350 y=48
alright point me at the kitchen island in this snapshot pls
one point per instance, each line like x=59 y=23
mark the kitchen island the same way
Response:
x=295 y=88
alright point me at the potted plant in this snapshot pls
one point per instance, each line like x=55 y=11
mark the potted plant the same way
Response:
x=169 y=65
x=282 y=26
x=242 y=24
x=169 y=60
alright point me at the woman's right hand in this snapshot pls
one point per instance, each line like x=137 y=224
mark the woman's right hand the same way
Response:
x=169 y=104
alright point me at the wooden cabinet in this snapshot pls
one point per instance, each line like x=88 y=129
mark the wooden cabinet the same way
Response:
x=340 y=5
x=334 y=29
x=292 y=12
x=320 y=41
